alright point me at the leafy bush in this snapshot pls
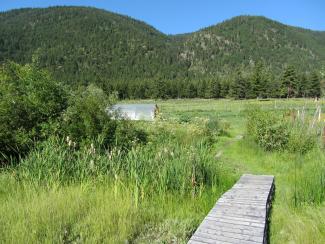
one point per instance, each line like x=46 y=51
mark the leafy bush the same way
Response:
x=184 y=118
x=301 y=139
x=268 y=129
x=214 y=127
x=34 y=107
x=127 y=135
x=86 y=120
x=274 y=131
x=29 y=97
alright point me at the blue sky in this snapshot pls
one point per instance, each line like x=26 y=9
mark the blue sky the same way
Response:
x=181 y=16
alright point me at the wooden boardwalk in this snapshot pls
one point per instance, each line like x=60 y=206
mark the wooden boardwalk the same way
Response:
x=240 y=215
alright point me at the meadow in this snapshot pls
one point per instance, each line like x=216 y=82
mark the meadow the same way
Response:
x=159 y=192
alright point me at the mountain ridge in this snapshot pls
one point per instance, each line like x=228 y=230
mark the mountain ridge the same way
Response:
x=86 y=44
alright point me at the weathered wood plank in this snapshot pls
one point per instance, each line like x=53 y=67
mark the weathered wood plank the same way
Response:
x=240 y=215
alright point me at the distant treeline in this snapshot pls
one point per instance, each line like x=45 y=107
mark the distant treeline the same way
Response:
x=259 y=83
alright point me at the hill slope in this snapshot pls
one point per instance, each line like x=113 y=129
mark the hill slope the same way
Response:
x=82 y=45
x=244 y=40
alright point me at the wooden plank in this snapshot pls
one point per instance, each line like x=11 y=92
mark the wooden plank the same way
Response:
x=240 y=215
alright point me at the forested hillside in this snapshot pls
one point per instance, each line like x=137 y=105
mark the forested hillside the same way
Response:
x=244 y=57
x=244 y=40
x=86 y=45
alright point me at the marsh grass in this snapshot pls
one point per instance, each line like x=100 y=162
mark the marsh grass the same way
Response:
x=154 y=192
x=300 y=189
x=171 y=162
x=161 y=191
x=96 y=212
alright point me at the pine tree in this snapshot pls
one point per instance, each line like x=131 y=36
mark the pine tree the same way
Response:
x=271 y=86
x=224 y=89
x=302 y=86
x=289 y=82
x=200 y=87
x=258 y=82
x=191 y=90
x=314 y=86
x=239 y=87
x=215 y=88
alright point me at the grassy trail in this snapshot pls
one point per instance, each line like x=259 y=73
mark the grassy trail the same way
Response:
x=289 y=224
x=296 y=175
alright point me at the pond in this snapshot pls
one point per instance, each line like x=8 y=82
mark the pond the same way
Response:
x=136 y=111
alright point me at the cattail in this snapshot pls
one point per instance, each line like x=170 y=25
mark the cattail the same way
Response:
x=324 y=136
x=92 y=149
x=91 y=164
x=109 y=155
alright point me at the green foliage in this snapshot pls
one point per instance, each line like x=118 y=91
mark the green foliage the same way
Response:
x=83 y=45
x=240 y=87
x=308 y=180
x=165 y=164
x=314 y=88
x=268 y=129
x=184 y=118
x=29 y=97
x=127 y=136
x=163 y=189
x=302 y=139
x=274 y=131
x=214 y=128
x=289 y=82
x=34 y=107
x=259 y=82
x=87 y=120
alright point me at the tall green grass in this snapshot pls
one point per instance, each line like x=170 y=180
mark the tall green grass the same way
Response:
x=93 y=212
x=154 y=192
x=166 y=164
x=298 y=209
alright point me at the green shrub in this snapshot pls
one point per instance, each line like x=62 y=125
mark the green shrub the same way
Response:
x=127 y=135
x=274 y=131
x=268 y=129
x=184 y=118
x=34 y=107
x=86 y=120
x=213 y=127
x=29 y=97
x=301 y=139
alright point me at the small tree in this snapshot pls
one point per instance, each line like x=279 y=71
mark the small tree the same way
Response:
x=302 y=86
x=239 y=87
x=258 y=84
x=289 y=82
x=214 y=88
x=314 y=88
x=87 y=120
x=29 y=99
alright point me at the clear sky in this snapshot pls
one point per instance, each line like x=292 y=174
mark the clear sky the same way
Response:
x=181 y=16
